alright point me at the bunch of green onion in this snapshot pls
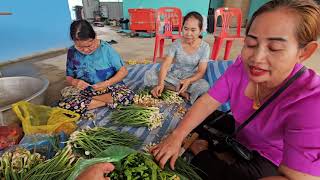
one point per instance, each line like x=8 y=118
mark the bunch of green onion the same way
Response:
x=138 y=116
x=91 y=142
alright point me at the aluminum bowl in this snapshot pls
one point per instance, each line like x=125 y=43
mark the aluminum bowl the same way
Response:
x=20 y=88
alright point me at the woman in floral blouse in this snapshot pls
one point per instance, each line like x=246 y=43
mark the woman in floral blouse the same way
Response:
x=95 y=72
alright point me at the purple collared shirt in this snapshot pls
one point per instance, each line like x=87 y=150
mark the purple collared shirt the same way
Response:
x=288 y=130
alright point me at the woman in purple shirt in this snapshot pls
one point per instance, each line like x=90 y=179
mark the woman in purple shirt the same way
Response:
x=285 y=136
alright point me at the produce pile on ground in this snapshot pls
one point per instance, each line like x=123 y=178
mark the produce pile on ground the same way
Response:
x=104 y=145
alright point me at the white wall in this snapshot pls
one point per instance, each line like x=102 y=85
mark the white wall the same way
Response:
x=72 y=4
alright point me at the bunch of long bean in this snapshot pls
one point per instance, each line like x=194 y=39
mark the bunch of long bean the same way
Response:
x=59 y=167
x=137 y=116
x=91 y=142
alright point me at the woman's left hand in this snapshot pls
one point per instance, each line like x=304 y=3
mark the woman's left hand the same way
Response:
x=184 y=84
x=101 y=85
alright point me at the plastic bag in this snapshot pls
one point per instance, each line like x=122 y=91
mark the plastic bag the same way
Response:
x=44 y=144
x=10 y=135
x=44 y=119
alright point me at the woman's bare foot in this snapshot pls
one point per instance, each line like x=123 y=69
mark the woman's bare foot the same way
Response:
x=198 y=146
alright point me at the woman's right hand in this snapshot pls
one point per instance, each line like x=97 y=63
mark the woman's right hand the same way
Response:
x=168 y=148
x=156 y=91
x=80 y=84
x=96 y=171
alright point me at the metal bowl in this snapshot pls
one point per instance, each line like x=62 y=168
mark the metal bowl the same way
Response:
x=20 y=88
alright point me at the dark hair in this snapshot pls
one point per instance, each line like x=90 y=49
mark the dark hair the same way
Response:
x=81 y=30
x=307 y=12
x=195 y=15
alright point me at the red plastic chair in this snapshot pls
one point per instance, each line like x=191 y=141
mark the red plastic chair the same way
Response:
x=227 y=15
x=169 y=19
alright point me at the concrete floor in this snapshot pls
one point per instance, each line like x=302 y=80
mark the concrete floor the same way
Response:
x=137 y=49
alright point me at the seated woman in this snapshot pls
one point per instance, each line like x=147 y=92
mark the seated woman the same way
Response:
x=191 y=56
x=95 y=72
x=284 y=136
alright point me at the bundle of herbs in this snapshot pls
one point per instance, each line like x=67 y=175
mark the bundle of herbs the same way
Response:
x=137 y=116
x=140 y=166
x=14 y=165
x=90 y=142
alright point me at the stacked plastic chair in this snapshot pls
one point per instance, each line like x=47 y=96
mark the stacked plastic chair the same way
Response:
x=168 y=26
x=226 y=14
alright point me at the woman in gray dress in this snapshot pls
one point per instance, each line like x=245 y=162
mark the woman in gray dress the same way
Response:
x=185 y=63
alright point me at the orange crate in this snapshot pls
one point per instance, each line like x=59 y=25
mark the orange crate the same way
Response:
x=142 y=19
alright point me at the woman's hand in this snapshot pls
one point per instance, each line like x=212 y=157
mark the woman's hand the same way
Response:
x=156 y=91
x=80 y=84
x=101 y=85
x=184 y=84
x=96 y=171
x=169 y=148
